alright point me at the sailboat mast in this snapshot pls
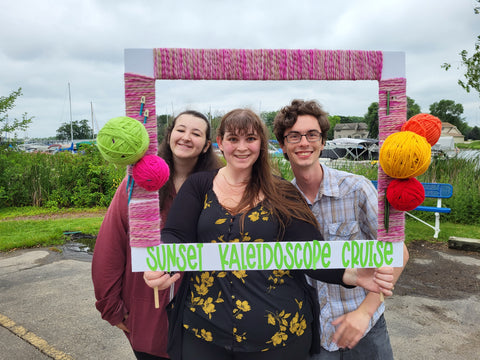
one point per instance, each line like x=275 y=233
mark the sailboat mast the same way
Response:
x=91 y=111
x=71 y=121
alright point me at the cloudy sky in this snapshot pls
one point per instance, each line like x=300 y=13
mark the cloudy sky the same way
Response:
x=46 y=45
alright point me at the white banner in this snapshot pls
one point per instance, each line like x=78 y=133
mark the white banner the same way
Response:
x=268 y=256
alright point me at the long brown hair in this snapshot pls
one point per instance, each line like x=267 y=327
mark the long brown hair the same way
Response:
x=206 y=160
x=282 y=199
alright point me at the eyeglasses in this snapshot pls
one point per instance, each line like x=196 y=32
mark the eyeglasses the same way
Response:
x=295 y=137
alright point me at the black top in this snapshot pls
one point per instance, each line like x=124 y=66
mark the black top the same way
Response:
x=241 y=310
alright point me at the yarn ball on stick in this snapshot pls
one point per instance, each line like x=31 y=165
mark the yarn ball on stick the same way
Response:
x=151 y=172
x=123 y=140
x=404 y=155
x=405 y=194
x=426 y=125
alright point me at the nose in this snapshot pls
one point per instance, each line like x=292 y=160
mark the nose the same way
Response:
x=186 y=136
x=303 y=140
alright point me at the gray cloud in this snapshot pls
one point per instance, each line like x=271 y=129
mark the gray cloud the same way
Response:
x=46 y=45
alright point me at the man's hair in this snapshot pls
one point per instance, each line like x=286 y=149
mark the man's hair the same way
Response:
x=287 y=117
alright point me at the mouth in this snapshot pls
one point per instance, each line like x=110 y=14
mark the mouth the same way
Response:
x=303 y=153
x=187 y=146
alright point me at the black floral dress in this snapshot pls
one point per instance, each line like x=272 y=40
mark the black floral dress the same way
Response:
x=242 y=310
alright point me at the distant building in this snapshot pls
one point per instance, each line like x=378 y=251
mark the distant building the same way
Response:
x=451 y=130
x=351 y=130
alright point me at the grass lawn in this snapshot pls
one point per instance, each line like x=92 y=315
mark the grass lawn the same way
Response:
x=32 y=227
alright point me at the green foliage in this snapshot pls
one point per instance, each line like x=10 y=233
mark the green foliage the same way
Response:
x=59 y=180
x=371 y=118
x=471 y=65
x=8 y=103
x=334 y=120
x=412 y=108
x=474 y=133
x=449 y=111
x=80 y=129
x=463 y=174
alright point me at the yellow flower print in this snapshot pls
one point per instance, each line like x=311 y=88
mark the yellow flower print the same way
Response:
x=298 y=325
x=206 y=203
x=239 y=337
x=220 y=221
x=278 y=338
x=209 y=307
x=206 y=335
x=240 y=274
x=246 y=237
x=299 y=303
x=254 y=216
x=243 y=305
x=264 y=214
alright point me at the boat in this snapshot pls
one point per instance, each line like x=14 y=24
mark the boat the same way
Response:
x=349 y=148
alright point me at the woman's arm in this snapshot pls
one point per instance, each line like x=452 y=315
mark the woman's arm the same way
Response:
x=109 y=259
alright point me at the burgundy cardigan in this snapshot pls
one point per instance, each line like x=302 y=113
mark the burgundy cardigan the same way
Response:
x=119 y=291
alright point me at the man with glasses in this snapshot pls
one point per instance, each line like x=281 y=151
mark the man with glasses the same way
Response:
x=352 y=325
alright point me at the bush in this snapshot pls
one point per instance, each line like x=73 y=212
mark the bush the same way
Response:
x=57 y=180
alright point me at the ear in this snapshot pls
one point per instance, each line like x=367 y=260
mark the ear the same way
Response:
x=219 y=142
x=207 y=146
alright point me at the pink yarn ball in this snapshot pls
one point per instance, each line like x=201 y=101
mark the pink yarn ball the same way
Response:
x=151 y=172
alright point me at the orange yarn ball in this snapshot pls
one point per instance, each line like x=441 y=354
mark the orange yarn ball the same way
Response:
x=426 y=125
x=404 y=155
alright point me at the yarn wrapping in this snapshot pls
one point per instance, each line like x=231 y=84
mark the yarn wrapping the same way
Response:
x=151 y=172
x=123 y=141
x=405 y=194
x=405 y=155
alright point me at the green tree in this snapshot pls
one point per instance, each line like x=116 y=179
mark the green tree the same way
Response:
x=449 y=111
x=412 y=108
x=371 y=118
x=268 y=117
x=471 y=64
x=334 y=120
x=8 y=103
x=81 y=130
x=474 y=133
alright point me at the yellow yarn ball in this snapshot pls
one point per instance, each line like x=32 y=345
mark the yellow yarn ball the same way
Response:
x=404 y=155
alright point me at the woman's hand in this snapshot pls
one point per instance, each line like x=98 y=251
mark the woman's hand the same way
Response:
x=122 y=325
x=160 y=279
x=378 y=280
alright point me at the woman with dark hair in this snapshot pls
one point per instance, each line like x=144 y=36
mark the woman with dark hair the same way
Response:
x=242 y=314
x=123 y=299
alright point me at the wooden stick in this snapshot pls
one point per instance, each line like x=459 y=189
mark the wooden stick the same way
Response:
x=382 y=298
x=155 y=295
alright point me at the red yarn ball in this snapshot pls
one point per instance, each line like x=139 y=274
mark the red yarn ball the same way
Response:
x=151 y=172
x=426 y=125
x=405 y=194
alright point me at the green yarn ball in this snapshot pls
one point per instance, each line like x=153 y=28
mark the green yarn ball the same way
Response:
x=123 y=140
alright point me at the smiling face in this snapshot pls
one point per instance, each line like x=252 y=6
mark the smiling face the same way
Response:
x=240 y=149
x=305 y=153
x=188 y=138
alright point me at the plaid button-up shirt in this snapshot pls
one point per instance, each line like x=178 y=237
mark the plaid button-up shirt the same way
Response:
x=346 y=208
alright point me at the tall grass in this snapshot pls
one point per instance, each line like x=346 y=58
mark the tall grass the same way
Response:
x=462 y=174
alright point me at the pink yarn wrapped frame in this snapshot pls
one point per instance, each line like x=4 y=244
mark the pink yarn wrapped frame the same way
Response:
x=261 y=64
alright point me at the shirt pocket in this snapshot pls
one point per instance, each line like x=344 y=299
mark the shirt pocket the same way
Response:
x=349 y=230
